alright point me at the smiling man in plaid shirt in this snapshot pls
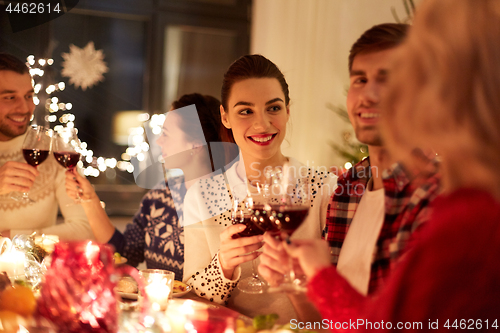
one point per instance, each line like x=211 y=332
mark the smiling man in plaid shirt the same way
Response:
x=373 y=212
x=378 y=205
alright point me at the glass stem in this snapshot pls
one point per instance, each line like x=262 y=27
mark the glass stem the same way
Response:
x=255 y=273
x=292 y=271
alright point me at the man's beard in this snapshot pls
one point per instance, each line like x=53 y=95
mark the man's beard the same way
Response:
x=13 y=132
x=369 y=136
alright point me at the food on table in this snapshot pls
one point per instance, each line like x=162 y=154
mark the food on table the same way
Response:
x=9 y=321
x=47 y=243
x=179 y=287
x=241 y=327
x=118 y=258
x=39 y=253
x=266 y=324
x=127 y=285
x=263 y=322
x=4 y=281
x=18 y=299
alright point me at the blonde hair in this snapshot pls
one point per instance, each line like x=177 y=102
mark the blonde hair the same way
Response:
x=443 y=91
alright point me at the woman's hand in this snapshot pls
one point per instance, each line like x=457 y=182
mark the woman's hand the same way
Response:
x=79 y=187
x=234 y=252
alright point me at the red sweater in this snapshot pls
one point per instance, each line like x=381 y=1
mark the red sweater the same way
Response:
x=451 y=273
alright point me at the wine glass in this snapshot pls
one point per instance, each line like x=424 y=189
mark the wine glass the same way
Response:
x=67 y=149
x=36 y=148
x=244 y=199
x=287 y=208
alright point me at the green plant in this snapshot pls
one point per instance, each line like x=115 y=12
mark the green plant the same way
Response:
x=350 y=149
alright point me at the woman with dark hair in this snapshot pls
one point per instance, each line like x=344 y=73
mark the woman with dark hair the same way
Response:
x=184 y=145
x=255 y=110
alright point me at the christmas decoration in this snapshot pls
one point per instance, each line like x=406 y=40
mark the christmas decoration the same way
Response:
x=90 y=164
x=84 y=67
x=409 y=9
x=34 y=264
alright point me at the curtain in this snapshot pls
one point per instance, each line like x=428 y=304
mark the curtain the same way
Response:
x=309 y=40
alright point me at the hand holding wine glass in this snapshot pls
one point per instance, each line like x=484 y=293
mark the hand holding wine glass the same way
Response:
x=237 y=244
x=67 y=147
x=242 y=213
x=16 y=177
x=313 y=254
x=36 y=148
x=67 y=150
x=289 y=206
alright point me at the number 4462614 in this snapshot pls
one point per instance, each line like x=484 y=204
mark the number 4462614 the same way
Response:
x=471 y=324
x=33 y=8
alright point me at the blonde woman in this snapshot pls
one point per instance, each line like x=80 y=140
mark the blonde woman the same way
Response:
x=443 y=95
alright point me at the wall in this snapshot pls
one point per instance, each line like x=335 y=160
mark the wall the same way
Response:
x=310 y=40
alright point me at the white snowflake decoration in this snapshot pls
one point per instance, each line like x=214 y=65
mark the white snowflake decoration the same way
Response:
x=84 y=67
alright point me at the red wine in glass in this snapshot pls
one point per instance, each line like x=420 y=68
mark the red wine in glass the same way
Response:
x=289 y=218
x=35 y=149
x=35 y=156
x=244 y=198
x=261 y=215
x=279 y=218
x=250 y=230
x=67 y=149
x=67 y=159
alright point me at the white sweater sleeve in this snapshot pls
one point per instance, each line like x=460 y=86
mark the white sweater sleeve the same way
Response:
x=202 y=229
x=75 y=226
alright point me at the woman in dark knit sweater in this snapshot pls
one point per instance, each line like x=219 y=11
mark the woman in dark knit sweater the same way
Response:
x=156 y=234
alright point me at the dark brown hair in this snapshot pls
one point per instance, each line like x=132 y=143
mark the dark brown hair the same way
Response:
x=10 y=63
x=207 y=108
x=248 y=67
x=377 y=38
x=208 y=114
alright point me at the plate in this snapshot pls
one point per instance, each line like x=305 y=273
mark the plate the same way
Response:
x=182 y=293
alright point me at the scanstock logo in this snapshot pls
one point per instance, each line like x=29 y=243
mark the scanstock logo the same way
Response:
x=28 y=14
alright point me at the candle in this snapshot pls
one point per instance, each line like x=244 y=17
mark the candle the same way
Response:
x=5 y=244
x=13 y=264
x=159 y=285
x=181 y=312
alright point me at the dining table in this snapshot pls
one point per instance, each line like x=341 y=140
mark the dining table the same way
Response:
x=219 y=313
x=90 y=265
x=188 y=309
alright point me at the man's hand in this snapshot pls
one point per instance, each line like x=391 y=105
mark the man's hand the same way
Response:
x=313 y=254
x=16 y=176
x=274 y=261
x=234 y=252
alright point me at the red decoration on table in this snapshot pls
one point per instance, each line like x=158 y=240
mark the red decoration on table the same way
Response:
x=77 y=294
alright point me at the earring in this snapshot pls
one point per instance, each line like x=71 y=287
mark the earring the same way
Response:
x=191 y=153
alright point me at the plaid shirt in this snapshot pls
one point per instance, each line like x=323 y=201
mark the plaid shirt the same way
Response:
x=406 y=208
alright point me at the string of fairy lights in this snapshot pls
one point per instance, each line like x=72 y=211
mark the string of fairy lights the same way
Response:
x=60 y=116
